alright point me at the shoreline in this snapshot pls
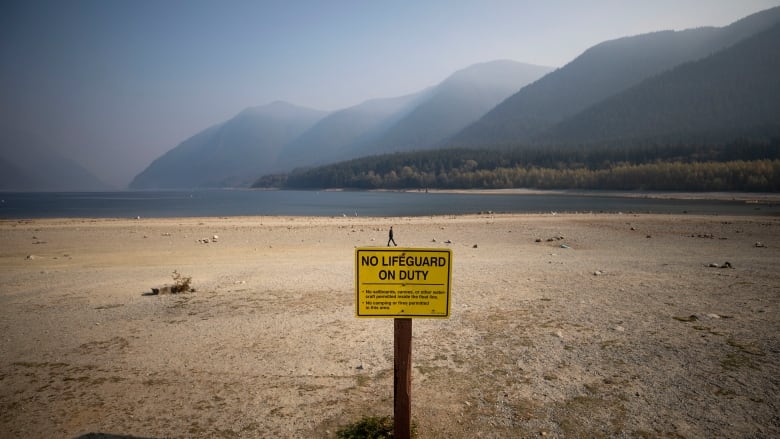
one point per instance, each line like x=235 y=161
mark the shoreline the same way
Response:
x=759 y=197
x=343 y=220
x=672 y=195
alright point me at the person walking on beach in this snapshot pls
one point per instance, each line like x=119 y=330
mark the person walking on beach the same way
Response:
x=390 y=234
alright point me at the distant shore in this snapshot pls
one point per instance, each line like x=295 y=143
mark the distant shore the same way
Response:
x=760 y=197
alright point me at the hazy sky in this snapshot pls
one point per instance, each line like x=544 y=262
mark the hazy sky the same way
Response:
x=114 y=84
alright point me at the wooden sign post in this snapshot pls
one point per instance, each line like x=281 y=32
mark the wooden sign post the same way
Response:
x=402 y=378
x=402 y=283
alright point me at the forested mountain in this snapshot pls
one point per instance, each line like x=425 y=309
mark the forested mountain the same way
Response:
x=232 y=153
x=704 y=87
x=26 y=164
x=733 y=93
x=342 y=131
x=709 y=124
x=600 y=73
x=459 y=100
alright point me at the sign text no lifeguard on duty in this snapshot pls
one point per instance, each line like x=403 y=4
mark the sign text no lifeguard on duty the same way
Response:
x=403 y=282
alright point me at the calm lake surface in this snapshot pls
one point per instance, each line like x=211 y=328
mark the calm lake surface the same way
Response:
x=159 y=204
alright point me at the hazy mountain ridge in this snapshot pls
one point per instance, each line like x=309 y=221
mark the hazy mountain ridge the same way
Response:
x=231 y=153
x=279 y=137
x=599 y=73
x=418 y=121
x=459 y=100
x=342 y=130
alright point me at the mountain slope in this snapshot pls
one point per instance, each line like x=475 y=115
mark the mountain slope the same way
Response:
x=599 y=73
x=232 y=153
x=459 y=100
x=417 y=121
x=280 y=136
x=343 y=129
x=733 y=93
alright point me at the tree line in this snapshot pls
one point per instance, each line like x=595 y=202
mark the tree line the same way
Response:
x=739 y=166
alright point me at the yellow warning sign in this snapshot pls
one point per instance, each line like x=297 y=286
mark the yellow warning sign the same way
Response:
x=402 y=282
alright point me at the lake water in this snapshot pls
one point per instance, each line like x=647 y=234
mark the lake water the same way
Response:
x=131 y=204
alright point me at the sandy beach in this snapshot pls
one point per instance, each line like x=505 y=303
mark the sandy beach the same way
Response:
x=569 y=325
